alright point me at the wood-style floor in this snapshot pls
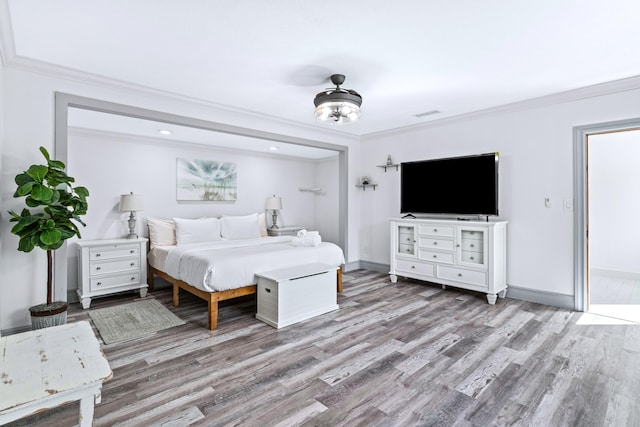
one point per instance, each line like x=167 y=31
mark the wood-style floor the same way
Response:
x=392 y=355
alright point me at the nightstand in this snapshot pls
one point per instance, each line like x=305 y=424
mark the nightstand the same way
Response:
x=284 y=231
x=109 y=266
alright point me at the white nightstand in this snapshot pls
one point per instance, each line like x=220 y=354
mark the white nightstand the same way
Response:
x=110 y=266
x=284 y=231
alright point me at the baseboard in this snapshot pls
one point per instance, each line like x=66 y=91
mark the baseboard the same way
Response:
x=72 y=296
x=542 y=297
x=524 y=294
x=366 y=265
x=16 y=330
x=614 y=274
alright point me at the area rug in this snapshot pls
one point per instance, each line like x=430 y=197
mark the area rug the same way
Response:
x=134 y=320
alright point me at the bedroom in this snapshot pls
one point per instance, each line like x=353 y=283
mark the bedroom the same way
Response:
x=526 y=134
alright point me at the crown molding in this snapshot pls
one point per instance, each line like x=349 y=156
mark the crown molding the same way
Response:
x=607 y=88
x=7 y=44
x=11 y=60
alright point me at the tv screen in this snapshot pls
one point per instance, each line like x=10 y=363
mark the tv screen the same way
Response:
x=456 y=186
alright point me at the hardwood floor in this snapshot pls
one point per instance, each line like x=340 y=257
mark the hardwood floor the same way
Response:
x=392 y=355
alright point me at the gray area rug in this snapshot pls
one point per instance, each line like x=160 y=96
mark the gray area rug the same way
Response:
x=134 y=320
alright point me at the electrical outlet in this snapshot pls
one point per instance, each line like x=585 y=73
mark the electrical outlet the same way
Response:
x=567 y=204
x=547 y=202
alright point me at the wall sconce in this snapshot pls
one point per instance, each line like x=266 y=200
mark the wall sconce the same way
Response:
x=275 y=204
x=131 y=203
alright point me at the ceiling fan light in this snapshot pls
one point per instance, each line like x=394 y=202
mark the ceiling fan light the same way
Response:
x=337 y=105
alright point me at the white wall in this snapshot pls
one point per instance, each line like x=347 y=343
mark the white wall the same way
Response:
x=110 y=165
x=28 y=100
x=536 y=149
x=614 y=202
x=326 y=201
x=1 y=145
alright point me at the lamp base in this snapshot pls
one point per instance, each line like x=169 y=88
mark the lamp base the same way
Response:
x=274 y=220
x=132 y=227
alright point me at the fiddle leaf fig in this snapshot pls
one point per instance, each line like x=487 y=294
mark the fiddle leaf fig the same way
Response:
x=61 y=205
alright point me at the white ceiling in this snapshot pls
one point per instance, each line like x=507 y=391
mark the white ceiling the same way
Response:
x=271 y=58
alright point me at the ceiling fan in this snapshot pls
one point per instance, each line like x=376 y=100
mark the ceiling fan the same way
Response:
x=338 y=105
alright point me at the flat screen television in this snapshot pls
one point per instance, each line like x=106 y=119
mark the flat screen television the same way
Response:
x=452 y=186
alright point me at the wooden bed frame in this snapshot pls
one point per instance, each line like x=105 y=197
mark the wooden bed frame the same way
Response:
x=211 y=298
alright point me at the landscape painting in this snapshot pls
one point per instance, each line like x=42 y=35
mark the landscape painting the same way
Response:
x=206 y=180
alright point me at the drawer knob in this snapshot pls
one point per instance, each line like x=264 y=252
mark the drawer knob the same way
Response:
x=472 y=245
x=459 y=274
x=413 y=266
x=267 y=289
x=97 y=255
x=132 y=264
x=435 y=230
x=471 y=258
x=132 y=251
x=99 y=283
x=98 y=268
x=435 y=243
x=457 y=246
x=133 y=278
x=408 y=239
x=435 y=256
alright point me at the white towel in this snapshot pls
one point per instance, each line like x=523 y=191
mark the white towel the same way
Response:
x=307 y=240
x=302 y=233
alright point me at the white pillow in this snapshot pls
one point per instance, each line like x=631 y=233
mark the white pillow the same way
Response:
x=197 y=230
x=162 y=232
x=262 y=225
x=240 y=227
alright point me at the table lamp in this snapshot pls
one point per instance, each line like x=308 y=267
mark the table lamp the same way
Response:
x=131 y=203
x=275 y=204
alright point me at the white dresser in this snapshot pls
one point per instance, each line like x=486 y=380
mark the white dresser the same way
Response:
x=110 y=266
x=464 y=254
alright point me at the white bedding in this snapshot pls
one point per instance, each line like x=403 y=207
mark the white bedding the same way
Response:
x=229 y=264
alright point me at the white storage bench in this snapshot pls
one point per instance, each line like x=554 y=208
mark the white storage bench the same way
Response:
x=290 y=295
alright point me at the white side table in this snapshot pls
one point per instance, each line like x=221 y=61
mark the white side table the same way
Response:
x=291 y=230
x=109 y=266
x=49 y=367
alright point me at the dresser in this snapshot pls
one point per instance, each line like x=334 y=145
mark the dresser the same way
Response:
x=109 y=266
x=464 y=254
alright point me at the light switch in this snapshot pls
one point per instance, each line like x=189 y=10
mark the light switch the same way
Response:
x=547 y=202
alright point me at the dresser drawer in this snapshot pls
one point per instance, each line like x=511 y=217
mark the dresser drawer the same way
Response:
x=114 y=266
x=113 y=251
x=471 y=234
x=431 y=243
x=473 y=257
x=461 y=275
x=436 y=230
x=405 y=238
x=405 y=248
x=436 y=256
x=472 y=245
x=98 y=283
x=415 y=267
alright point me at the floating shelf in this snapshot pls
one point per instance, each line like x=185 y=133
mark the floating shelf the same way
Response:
x=364 y=186
x=395 y=165
x=310 y=190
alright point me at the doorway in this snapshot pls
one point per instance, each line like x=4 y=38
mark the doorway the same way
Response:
x=613 y=203
x=607 y=199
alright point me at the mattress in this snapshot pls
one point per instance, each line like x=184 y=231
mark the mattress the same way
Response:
x=157 y=256
x=230 y=264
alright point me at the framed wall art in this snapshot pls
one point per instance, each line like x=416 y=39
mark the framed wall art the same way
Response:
x=206 y=180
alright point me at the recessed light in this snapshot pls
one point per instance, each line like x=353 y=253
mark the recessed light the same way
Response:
x=274 y=148
x=165 y=132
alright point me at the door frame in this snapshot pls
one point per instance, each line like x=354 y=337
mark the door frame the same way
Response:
x=580 y=205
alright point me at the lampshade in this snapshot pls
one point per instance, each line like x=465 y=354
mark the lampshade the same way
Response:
x=274 y=203
x=131 y=202
x=338 y=105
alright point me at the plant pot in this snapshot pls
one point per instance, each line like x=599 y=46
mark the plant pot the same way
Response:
x=46 y=315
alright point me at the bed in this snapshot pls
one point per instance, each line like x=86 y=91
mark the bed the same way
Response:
x=222 y=265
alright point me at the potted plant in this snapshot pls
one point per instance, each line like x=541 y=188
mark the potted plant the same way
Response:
x=56 y=205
